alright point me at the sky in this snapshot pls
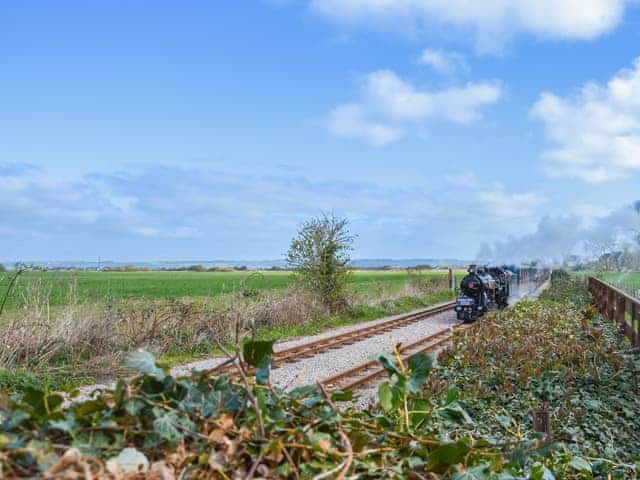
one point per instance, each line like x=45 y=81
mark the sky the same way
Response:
x=211 y=129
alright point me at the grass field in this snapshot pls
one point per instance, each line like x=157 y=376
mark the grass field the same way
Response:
x=628 y=281
x=97 y=287
x=622 y=278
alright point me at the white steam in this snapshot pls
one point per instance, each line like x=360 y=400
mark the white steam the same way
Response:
x=558 y=237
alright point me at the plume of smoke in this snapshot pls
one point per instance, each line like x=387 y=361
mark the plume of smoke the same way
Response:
x=556 y=238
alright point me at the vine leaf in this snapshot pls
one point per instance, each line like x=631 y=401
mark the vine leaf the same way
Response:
x=255 y=351
x=144 y=362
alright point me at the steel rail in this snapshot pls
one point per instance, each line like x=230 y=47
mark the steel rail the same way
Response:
x=365 y=373
x=369 y=371
x=309 y=349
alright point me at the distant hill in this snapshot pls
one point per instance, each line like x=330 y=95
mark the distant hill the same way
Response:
x=250 y=264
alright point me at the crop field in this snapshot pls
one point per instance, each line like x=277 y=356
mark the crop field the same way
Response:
x=62 y=288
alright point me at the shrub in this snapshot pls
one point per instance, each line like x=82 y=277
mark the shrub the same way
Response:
x=320 y=257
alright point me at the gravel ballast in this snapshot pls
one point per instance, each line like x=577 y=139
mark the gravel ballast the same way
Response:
x=326 y=364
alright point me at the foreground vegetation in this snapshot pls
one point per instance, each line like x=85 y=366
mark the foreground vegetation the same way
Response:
x=86 y=343
x=469 y=419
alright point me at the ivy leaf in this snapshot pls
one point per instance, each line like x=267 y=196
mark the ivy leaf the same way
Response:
x=388 y=362
x=165 y=425
x=262 y=374
x=452 y=395
x=457 y=413
x=448 y=455
x=255 y=351
x=145 y=363
x=420 y=365
x=62 y=425
x=580 y=464
x=302 y=392
x=475 y=473
x=339 y=396
x=385 y=395
x=540 y=472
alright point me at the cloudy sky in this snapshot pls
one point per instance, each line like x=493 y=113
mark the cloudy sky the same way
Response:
x=211 y=129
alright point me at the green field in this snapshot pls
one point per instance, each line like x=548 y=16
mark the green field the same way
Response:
x=96 y=287
x=630 y=279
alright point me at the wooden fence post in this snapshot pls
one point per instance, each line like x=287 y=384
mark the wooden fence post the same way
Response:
x=611 y=303
x=620 y=308
x=635 y=318
x=616 y=305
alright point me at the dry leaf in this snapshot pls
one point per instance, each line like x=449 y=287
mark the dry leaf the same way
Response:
x=70 y=458
x=160 y=471
x=324 y=445
x=217 y=436
x=225 y=421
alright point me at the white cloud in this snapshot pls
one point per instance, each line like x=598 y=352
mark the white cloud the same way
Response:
x=401 y=100
x=597 y=131
x=205 y=213
x=385 y=95
x=443 y=62
x=505 y=205
x=491 y=22
x=350 y=121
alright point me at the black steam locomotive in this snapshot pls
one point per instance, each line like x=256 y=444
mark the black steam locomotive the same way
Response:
x=483 y=289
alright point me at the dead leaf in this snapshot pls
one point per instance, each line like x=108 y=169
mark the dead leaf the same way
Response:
x=217 y=436
x=71 y=457
x=225 y=421
x=160 y=471
x=324 y=445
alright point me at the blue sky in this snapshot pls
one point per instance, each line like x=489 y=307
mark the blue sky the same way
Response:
x=211 y=129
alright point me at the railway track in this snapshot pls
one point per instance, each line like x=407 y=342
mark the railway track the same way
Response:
x=368 y=372
x=306 y=350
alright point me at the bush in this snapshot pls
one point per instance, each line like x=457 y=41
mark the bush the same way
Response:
x=319 y=255
x=2 y=268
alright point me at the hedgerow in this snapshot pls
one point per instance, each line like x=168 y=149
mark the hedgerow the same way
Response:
x=549 y=356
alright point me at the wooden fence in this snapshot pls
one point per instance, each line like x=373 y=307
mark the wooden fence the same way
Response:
x=617 y=306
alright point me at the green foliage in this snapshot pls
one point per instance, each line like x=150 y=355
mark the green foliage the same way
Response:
x=205 y=427
x=319 y=254
x=555 y=356
x=567 y=288
x=469 y=420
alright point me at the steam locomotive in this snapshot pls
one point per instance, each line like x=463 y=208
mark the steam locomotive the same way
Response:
x=483 y=289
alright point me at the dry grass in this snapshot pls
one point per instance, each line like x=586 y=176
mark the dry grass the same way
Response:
x=87 y=341
x=83 y=341
x=417 y=286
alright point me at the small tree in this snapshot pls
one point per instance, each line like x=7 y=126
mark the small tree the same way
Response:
x=2 y=268
x=319 y=255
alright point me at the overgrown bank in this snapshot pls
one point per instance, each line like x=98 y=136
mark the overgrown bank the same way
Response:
x=555 y=355
x=470 y=420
